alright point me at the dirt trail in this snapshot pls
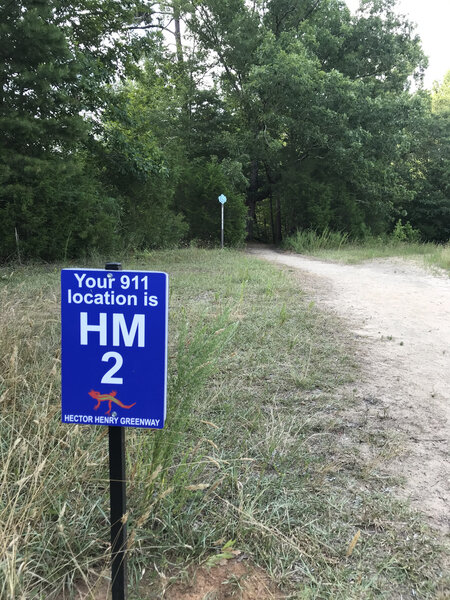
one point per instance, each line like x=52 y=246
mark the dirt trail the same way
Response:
x=403 y=312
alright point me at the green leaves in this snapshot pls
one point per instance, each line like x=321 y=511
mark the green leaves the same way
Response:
x=293 y=105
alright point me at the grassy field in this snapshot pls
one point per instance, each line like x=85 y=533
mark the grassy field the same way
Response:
x=337 y=246
x=258 y=450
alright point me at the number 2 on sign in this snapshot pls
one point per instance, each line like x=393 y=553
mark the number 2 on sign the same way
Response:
x=108 y=376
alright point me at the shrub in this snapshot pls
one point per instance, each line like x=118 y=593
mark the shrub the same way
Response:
x=405 y=233
x=309 y=240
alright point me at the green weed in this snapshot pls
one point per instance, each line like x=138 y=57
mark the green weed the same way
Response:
x=309 y=240
x=339 y=247
x=258 y=448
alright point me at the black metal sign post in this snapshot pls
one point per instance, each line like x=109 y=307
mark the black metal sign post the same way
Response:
x=118 y=501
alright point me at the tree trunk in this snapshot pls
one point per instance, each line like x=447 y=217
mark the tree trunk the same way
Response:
x=278 y=219
x=277 y=230
x=251 y=199
x=176 y=18
x=272 y=222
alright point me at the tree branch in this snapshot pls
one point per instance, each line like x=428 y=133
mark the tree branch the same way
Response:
x=310 y=11
x=215 y=42
x=151 y=26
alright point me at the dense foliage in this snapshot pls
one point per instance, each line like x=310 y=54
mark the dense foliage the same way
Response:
x=123 y=121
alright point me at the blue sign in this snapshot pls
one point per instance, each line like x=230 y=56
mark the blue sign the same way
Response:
x=114 y=347
x=222 y=199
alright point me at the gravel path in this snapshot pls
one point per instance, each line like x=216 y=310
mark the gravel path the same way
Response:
x=403 y=313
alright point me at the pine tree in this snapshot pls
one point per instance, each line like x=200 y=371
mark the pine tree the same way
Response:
x=39 y=112
x=56 y=58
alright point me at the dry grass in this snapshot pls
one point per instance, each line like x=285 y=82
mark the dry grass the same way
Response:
x=337 y=246
x=253 y=451
x=47 y=510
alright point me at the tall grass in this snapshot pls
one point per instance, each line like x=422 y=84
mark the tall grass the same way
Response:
x=310 y=240
x=439 y=256
x=339 y=246
x=54 y=483
x=258 y=448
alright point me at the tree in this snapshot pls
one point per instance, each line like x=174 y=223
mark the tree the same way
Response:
x=38 y=118
x=295 y=105
x=429 y=211
x=320 y=101
x=163 y=152
x=441 y=96
x=138 y=167
x=57 y=58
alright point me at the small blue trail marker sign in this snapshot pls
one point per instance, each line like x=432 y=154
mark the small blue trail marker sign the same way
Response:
x=114 y=347
x=222 y=199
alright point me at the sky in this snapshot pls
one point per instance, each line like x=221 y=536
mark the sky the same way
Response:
x=433 y=26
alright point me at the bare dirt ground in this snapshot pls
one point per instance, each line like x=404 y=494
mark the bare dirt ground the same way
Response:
x=232 y=579
x=402 y=313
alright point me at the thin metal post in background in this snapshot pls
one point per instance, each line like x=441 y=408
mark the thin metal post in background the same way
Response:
x=221 y=230
x=118 y=501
